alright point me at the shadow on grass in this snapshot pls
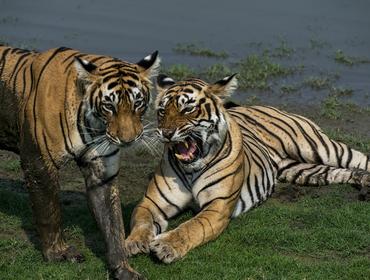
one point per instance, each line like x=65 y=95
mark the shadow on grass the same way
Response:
x=77 y=219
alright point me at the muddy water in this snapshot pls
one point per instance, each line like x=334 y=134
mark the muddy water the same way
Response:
x=131 y=29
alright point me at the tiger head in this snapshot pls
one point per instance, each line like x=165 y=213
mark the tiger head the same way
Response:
x=116 y=95
x=191 y=117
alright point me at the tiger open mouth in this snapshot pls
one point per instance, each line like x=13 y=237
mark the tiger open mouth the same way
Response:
x=187 y=151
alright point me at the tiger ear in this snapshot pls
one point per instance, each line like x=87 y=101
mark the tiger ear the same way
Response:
x=163 y=83
x=225 y=87
x=85 y=69
x=149 y=65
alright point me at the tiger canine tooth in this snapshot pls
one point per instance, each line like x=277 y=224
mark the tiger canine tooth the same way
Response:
x=186 y=145
x=180 y=157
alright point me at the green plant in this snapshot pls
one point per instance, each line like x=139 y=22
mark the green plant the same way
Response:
x=198 y=50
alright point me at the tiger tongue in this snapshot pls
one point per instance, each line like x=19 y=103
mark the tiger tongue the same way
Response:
x=182 y=148
x=186 y=149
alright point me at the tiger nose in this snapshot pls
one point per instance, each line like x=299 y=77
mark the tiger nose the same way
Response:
x=168 y=133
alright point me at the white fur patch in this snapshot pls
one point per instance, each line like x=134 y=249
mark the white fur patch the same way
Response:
x=168 y=80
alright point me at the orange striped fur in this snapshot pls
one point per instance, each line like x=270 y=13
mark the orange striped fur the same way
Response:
x=227 y=159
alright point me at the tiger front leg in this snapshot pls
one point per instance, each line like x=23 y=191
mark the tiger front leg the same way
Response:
x=104 y=201
x=163 y=200
x=205 y=226
x=146 y=223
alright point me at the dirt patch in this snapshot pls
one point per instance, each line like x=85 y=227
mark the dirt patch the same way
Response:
x=292 y=193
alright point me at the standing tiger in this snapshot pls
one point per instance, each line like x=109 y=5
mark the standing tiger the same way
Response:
x=61 y=105
x=227 y=159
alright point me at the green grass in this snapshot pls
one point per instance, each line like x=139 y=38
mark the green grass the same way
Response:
x=318 y=83
x=198 y=50
x=12 y=165
x=281 y=51
x=330 y=107
x=323 y=235
x=254 y=72
x=342 y=58
x=354 y=140
x=285 y=88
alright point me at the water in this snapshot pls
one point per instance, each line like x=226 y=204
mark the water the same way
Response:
x=131 y=29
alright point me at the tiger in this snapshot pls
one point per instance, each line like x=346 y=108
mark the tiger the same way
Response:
x=225 y=159
x=62 y=105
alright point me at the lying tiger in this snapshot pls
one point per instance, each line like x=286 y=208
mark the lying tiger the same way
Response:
x=62 y=105
x=228 y=159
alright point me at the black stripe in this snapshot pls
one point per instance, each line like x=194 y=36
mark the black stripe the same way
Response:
x=281 y=170
x=3 y=60
x=349 y=158
x=17 y=64
x=215 y=159
x=16 y=76
x=257 y=188
x=209 y=222
x=221 y=197
x=248 y=182
x=204 y=231
x=55 y=52
x=80 y=129
x=246 y=133
x=67 y=148
x=261 y=164
x=68 y=57
x=311 y=143
x=80 y=55
x=317 y=133
x=105 y=181
x=278 y=119
x=308 y=176
x=336 y=152
x=341 y=155
x=321 y=171
x=105 y=156
x=272 y=165
x=243 y=204
x=299 y=173
x=219 y=180
x=23 y=82
x=163 y=196
x=255 y=123
x=29 y=93
x=156 y=224
x=163 y=176
x=177 y=169
x=160 y=210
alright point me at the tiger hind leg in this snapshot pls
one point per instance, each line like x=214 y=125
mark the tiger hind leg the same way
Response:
x=315 y=174
x=43 y=190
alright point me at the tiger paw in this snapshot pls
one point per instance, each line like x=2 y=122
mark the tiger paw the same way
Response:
x=138 y=242
x=69 y=253
x=127 y=273
x=167 y=247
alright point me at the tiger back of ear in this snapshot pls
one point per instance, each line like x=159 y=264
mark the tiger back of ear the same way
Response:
x=85 y=69
x=163 y=83
x=225 y=87
x=149 y=65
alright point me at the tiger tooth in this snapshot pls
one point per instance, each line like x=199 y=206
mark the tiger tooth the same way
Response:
x=186 y=144
x=180 y=157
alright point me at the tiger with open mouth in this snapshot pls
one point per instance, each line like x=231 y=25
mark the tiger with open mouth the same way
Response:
x=227 y=159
